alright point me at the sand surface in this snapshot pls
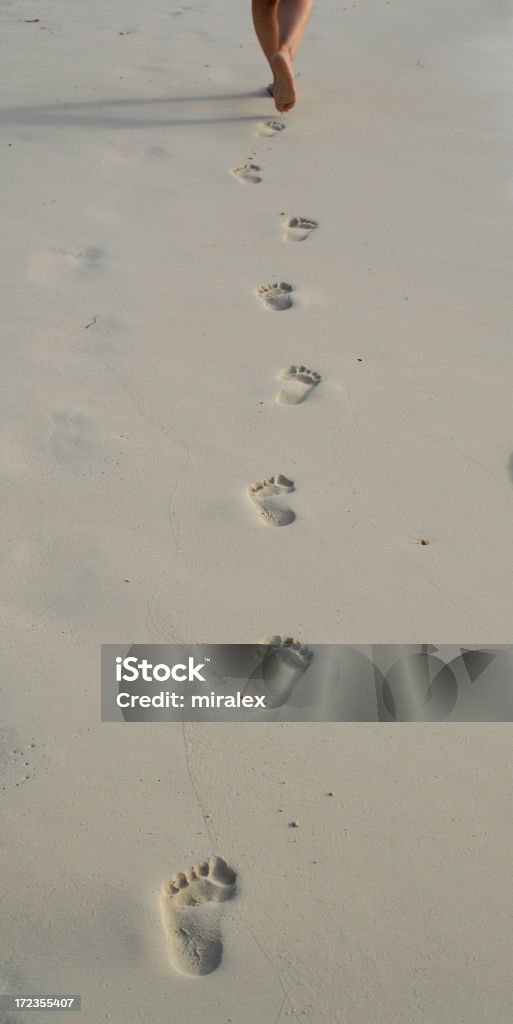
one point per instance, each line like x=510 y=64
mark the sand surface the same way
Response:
x=140 y=374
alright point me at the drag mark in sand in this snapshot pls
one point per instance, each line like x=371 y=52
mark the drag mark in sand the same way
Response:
x=248 y=173
x=297 y=229
x=283 y=666
x=190 y=917
x=300 y=382
x=276 y=296
x=266 y=495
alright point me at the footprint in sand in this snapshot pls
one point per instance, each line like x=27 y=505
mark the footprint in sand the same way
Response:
x=283 y=666
x=269 y=128
x=190 y=918
x=298 y=228
x=277 y=295
x=249 y=173
x=67 y=441
x=300 y=382
x=91 y=257
x=267 y=494
x=54 y=264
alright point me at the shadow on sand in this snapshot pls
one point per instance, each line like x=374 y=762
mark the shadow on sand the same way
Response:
x=126 y=113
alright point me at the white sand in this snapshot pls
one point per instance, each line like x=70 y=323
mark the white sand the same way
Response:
x=140 y=376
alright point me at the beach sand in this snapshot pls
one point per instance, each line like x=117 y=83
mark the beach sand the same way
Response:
x=141 y=377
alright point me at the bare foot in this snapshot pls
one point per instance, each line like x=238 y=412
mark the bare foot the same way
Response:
x=284 y=90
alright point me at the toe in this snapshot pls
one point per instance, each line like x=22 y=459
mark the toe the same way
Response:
x=282 y=481
x=220 y=871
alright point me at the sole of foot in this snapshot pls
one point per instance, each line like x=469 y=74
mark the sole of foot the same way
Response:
x=284 y=89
